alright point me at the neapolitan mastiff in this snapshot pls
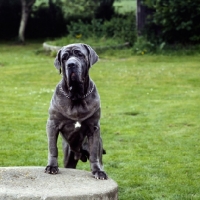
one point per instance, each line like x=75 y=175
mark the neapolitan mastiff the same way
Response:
x=75 y=112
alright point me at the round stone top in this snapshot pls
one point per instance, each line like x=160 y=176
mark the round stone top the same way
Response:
x=27 y=183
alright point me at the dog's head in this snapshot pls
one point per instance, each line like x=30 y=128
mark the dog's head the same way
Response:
x=74 y=61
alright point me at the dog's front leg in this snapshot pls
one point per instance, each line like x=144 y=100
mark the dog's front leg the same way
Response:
x=52 y=134
x=96 y=149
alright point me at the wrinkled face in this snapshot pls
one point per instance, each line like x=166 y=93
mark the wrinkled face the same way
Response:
x=74 y=61
x=74 y=64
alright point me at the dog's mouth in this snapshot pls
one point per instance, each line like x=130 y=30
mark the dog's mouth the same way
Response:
x=74 y=77
x=76 y=86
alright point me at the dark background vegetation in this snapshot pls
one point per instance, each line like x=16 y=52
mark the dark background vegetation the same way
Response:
x=174 y=21
x=169 y=22
x=49 y=19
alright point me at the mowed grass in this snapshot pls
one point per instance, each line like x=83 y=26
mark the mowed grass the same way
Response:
x=123 y=6
x=149 y=125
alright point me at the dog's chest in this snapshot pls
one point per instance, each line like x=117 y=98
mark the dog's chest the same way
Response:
x=77 y=112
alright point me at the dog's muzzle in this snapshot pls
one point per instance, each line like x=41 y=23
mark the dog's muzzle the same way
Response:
x=73 y=70
x=75 y=78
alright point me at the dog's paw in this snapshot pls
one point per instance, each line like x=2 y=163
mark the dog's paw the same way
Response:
x=51 y=169
x=100 y=175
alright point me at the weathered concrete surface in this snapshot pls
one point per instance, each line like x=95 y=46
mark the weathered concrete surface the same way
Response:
x=31 y=183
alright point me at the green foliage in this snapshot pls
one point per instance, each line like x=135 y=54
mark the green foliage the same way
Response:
x=143 y=46
x=176 y=21
x=51 y=19
x=87 y=9
x=94 y=28
x=120 y=27
x=149 y=123
x=79 y=8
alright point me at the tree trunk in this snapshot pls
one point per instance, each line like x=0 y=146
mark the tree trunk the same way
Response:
x=142 y=13
x=26 y=9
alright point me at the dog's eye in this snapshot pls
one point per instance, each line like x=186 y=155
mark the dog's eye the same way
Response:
x=78 y=53
x=65 y=56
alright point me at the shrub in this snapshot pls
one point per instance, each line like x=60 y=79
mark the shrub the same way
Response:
x=121 y=27
x=82 y=29
x=143 y=46
x=177 y=21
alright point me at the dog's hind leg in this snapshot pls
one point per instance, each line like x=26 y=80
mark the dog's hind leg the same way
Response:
x=69 y=156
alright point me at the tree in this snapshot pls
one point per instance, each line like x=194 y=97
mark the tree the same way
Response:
x=26 y=6
x=143 y=11
x=176 y=21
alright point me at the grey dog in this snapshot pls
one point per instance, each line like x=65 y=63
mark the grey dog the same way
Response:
x=75 y=112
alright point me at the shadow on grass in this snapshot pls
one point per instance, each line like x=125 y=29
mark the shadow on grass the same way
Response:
x=131 y=113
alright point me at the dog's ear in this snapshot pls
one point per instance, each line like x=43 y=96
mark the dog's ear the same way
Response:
x=57 y=61
x=92 y=55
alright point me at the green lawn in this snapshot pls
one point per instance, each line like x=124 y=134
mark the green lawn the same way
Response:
x=123 y=6
x=150 y=118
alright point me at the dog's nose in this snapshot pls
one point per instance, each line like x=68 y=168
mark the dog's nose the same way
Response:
x=71 y=65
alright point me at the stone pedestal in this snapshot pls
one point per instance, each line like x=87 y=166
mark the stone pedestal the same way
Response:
x=31 y=183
